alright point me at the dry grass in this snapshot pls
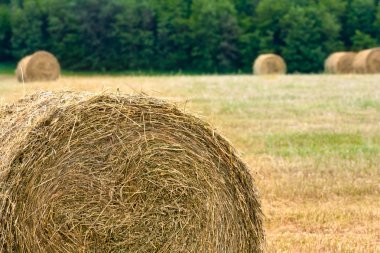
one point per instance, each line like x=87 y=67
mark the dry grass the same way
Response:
x=313 y=143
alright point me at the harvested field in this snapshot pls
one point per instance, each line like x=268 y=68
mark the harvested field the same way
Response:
x=312 y=142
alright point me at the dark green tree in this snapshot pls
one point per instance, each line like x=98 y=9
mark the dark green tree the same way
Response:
x=361 y=41
x=135 y=30
x=360 y=16
x=5 y=33
x=29 y=28
x=190 y=35
x=214 y=36
x=377 y=24
x=268 y=16
x=83 y=33
x=310 y=34
x=249 y=38
x=337 y=8
x=245 y=7
x=173 y=35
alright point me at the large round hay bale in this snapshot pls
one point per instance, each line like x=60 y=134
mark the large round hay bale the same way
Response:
x=367 y=61
x=40 y=66
x=106 y=173
x=340 y=63
x=268 y=64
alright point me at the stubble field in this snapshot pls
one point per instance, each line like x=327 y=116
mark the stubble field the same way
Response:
x=312 y=142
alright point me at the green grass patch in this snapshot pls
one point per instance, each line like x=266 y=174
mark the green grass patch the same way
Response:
x=369 y=104
x=344 y=145
x=7 y=68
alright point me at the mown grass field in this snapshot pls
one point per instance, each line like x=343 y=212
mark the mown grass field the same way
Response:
x=312 y=142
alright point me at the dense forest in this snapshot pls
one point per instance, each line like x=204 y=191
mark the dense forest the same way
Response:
x=206 y=36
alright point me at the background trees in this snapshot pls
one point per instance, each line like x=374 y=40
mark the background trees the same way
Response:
x=5 y=32
x=186 y=35
x=83 y=34
x=309 y=34
x=214 y=35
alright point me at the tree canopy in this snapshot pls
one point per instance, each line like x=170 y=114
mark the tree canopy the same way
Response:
x=207 y=36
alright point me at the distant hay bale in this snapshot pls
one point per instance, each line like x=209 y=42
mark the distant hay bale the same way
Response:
x=340 y=63
x=105 y=173
x=367 y=61
x=40 y=66
x=21 y=66
x=268 y=64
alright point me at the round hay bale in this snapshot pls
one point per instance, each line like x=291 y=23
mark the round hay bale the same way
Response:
x=40 y=66
x=21 y=66
x=268 y=64
x=340 y=63
x=106 y=173
x=367 y=61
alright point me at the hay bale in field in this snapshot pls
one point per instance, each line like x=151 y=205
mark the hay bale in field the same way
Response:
x=21 y=66
x=367 y=61
x=268 y=64
x=40 y=66
x=340 y=63
x=105 y=173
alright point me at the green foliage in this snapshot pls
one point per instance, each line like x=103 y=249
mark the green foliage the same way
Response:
x=135 y=32
x=189 y=35
x=215 y=33
x=269 y=13
x=362 y=40
x=336 y=7
x=310 y=34
x=173 y=35
x=5 y=32
x=377 y=23
x=360 y=16
x=83 y=33
x=29 y=28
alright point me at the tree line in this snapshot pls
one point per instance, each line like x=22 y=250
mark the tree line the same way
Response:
x=206 y=36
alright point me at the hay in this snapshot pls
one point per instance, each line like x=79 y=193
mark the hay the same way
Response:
x=340 y=63
x=367 y=61
x=268 y=64
x=105 y=173
x=21 y=67
x=40 y=66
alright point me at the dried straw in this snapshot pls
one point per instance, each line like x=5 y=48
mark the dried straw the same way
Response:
x=367 y=61
x=105 y=173
x=40 y=66
x=268 y=64
x=340 y=63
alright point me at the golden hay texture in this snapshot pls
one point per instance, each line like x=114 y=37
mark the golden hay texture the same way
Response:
x=267 y=64
x=106 y=173
x=367 y=61
x=40 y=66
x=340 y=63
x=21 y=67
